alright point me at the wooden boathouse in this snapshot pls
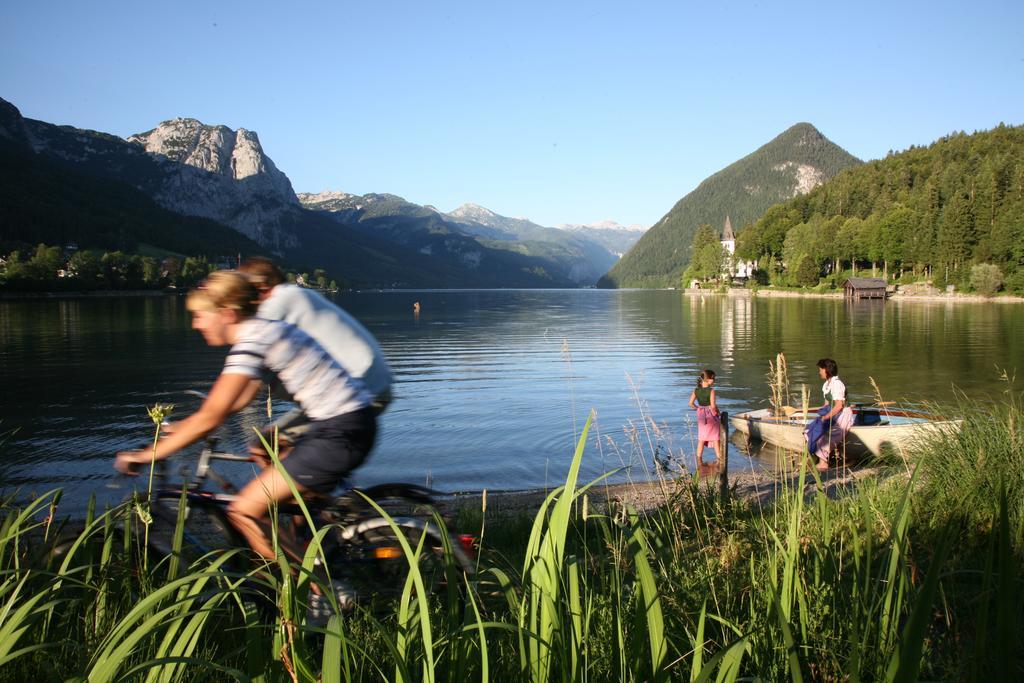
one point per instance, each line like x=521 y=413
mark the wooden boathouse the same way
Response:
x=865 y=288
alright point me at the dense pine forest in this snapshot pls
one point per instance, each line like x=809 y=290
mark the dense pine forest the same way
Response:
x=951 y=213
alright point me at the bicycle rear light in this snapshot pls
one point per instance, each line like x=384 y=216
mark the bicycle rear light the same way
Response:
x=388 y=553
x=468 y=544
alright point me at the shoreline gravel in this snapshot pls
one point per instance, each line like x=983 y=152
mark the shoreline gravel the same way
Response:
x=759 y=488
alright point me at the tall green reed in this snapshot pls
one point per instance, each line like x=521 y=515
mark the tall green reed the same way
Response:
x=889 y=582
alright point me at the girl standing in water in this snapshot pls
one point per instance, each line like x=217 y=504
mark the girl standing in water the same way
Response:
x=703 y=400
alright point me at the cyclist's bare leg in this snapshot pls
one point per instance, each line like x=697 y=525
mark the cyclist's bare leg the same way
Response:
x=250 y=511
x=282 y=433
x=260 y=456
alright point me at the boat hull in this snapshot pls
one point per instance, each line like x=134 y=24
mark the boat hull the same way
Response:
x=788 y=433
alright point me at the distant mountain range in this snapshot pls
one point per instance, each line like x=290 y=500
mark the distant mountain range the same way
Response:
x=191 y=188
x=184 y=186
x=565 y=258
x=792 y=164
x=616 y=238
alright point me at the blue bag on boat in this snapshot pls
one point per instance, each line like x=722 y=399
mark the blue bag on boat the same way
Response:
x=867 y=416
x=816 y=430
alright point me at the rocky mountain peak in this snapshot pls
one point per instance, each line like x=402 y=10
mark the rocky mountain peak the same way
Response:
x=237 y=155
x=12 y=125
x=307 y=198
x=473 y=212
x=604 y=225
x=334 y=200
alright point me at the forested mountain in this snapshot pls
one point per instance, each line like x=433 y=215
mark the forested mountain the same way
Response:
x=45 y=200
x=564 y=258
x=584 y=257
x=928 y=211
x=793 y=163
x=179 y=186
x=428 y=236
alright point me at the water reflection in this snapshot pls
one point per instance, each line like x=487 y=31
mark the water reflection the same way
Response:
x=493 y=386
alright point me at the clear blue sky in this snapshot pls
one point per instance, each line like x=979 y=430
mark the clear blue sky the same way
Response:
x=557 y=111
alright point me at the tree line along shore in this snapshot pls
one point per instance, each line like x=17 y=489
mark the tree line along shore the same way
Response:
x=950 y=215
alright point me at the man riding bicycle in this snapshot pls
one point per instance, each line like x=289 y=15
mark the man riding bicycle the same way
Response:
x=343 y=423
x=344 y=337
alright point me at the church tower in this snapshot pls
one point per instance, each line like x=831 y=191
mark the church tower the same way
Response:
x=728 y=237
x=734 y=268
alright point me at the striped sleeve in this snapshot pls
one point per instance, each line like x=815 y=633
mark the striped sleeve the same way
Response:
x=247 y=356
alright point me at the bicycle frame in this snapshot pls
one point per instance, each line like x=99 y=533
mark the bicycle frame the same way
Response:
x=350 y=510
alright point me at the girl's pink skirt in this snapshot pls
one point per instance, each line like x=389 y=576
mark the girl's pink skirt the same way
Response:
x=841 y=424
x=709 y=426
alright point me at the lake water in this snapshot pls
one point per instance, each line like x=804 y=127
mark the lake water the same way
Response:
x=493 y=386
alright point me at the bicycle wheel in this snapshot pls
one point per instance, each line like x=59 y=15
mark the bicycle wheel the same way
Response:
x=205 y=529
x=397 y=499
x=107 y=548
x=367 y=559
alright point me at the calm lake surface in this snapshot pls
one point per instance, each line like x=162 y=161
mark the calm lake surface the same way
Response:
x=493 y=386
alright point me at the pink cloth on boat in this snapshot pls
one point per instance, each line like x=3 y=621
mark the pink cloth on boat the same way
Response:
x=841 y=424
x=708 y=425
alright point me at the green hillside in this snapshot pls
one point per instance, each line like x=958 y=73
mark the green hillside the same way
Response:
x=744 y=190
x=45 y=201
x=928 y=211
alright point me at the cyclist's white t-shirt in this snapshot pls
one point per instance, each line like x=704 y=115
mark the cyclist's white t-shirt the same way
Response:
x=343 y=336
x=285 y=357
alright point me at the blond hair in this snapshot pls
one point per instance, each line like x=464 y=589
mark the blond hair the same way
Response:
x=224 y=289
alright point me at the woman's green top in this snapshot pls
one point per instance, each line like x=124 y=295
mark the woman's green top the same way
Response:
x=703 y=395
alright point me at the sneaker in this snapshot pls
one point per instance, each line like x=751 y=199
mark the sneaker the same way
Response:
x=321 y=610
x=345 y=594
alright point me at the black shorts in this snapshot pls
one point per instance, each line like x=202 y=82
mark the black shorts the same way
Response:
x=330 y=449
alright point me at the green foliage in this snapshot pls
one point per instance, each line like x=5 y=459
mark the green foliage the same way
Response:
x=916 y=577
x=86 y=267
x=43 y=200
x=708 y=255
x=929 y=210
x=42 y=266
x=806 y=247
x=744 y=191
x=979 y=463
x=807 y=271
x=84 y=270
x=1015 y=282
x=956 y=231
x=986 y=278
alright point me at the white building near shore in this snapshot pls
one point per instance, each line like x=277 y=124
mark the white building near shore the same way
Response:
x=734 y=268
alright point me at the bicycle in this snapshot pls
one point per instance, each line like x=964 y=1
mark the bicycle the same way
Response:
x=361 y=559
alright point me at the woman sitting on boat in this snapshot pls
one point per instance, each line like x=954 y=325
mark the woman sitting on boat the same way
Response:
x=836 y=415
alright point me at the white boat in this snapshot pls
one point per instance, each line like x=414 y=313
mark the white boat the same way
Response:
x=896 y=429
